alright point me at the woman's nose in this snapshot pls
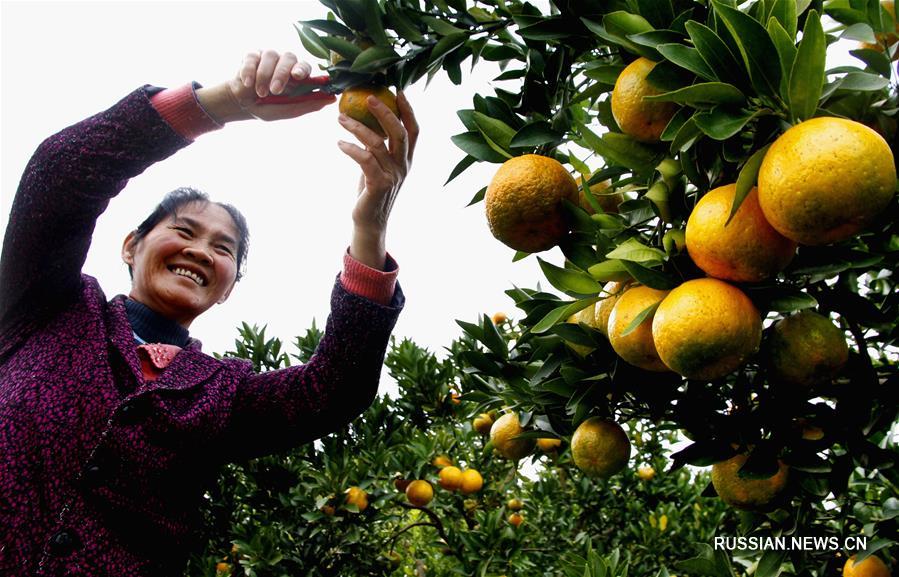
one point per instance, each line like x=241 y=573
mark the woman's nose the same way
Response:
x=199 y=254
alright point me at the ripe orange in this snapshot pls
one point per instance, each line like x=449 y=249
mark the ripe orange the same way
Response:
x=499 y=318
x=328 y=510
x=586 y=316
x=482 y=423
x=353 y=103
x=549 y=445
x=748 y=249
x=825 y=180
x=641 y=119
x=646 y=473
x=516 y=519
x=450 y=478
x=514 y=505
x=222 y=569
x=472 y=482
x=706 y=328
x=806 y=349
x=358 y=497
x=636 y=347
x=524 y=202
x=608 y=202
x=613 y=291
x=419 y=493
x=748 y=494
x=503 y=433
x=872 y=566
x=600 y=448
x=441 y=461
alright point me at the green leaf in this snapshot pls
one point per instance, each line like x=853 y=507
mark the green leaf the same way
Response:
x=770 y=565
x=536 y=134
x=331 y=27
x=446 y=45
x=623 y=23
x=374 y=58
x=862 y=81
x=460 y=168
x=549 y=28
x=784 y=11
x=441 y=27
x=714 y=52
x=402 y=25
x=610 y=270
x=650 y=277
x=635 y=251
x=638 y=320
x=807 y=76
x=703 y=93
x=374 y=26
x=721 y=123
x=312 y=43
x=479 y=195
x=746 y=180
x=620 y=39
x=861 y=32
x=496 y=130
x=620 y=149
x=473 y=144
x=341 y=46
x=786 y=50
x=687 y=58
x=567 y=280
x=756 y=47
x=560 y=314
x=781 y=298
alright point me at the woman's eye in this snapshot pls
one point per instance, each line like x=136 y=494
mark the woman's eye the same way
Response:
x=225 y=249
x=183 y=230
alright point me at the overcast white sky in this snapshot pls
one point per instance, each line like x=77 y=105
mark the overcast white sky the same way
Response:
x=63 y=61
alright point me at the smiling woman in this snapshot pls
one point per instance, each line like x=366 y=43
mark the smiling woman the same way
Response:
x=112 y=420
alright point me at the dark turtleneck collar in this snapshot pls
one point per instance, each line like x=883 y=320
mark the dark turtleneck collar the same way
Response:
x=151 y=327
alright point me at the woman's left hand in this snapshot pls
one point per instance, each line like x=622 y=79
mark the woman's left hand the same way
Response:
x=384 y=168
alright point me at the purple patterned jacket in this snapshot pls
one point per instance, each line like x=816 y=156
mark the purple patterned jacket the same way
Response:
x=102 y=473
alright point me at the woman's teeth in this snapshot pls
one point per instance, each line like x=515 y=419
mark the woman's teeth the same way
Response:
x=193 y=276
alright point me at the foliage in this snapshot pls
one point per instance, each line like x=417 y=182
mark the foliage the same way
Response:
x=742 y=74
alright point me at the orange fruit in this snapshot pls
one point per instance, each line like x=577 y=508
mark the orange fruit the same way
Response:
x=400 y=484
x=549 y=445
x=482 y=423
x=806 y=349
x=613 y=291
x=747 y=249
x=641 y=119
x=450 y=478
x=503 y=433
x=472 y=482
x=524 y=202
x=419 y=493
x=586 y=316
x=748 y=494
x=328 y=510
x=516 y=519
x=354 y=103
x=636 y=347
x=706 y=328
x=872 y=566
x=608 y=202
x=441 y=461
x=646 y=473
x=358 y=497
x=222 y=569
x=826 y=179
x=499 y=318
x=514 y=505
x=600 y=448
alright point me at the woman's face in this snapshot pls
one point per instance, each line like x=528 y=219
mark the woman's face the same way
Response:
x=186 y=264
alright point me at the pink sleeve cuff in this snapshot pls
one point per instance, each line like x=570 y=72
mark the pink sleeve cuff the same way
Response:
x=180 y=108
x=375 y=285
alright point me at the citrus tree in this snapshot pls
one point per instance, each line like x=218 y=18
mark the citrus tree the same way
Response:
x=414 y=487
x=724 y=204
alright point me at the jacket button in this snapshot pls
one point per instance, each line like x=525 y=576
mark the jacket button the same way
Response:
x=64 y=543
x=93 y=474
x=134 y=410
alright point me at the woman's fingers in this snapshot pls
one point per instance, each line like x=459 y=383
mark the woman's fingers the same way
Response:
x=282 y=73
x=247 y=72
x=407 y=116
x=264 y=72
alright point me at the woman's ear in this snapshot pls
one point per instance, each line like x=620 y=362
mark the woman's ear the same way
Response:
x=128 y=248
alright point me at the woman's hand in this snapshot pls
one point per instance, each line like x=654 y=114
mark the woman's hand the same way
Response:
x=261 y=74
x=384 y=168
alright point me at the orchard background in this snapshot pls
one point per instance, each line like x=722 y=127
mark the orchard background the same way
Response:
x=735 y=78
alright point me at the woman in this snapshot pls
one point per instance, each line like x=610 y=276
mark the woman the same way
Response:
x=111 y=419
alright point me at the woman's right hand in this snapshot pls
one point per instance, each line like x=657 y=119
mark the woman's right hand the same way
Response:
x=261 y=74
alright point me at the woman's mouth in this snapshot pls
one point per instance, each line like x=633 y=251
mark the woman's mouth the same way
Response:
x=180 y=271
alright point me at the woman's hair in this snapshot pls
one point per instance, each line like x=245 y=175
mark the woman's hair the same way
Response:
x=183 y=196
